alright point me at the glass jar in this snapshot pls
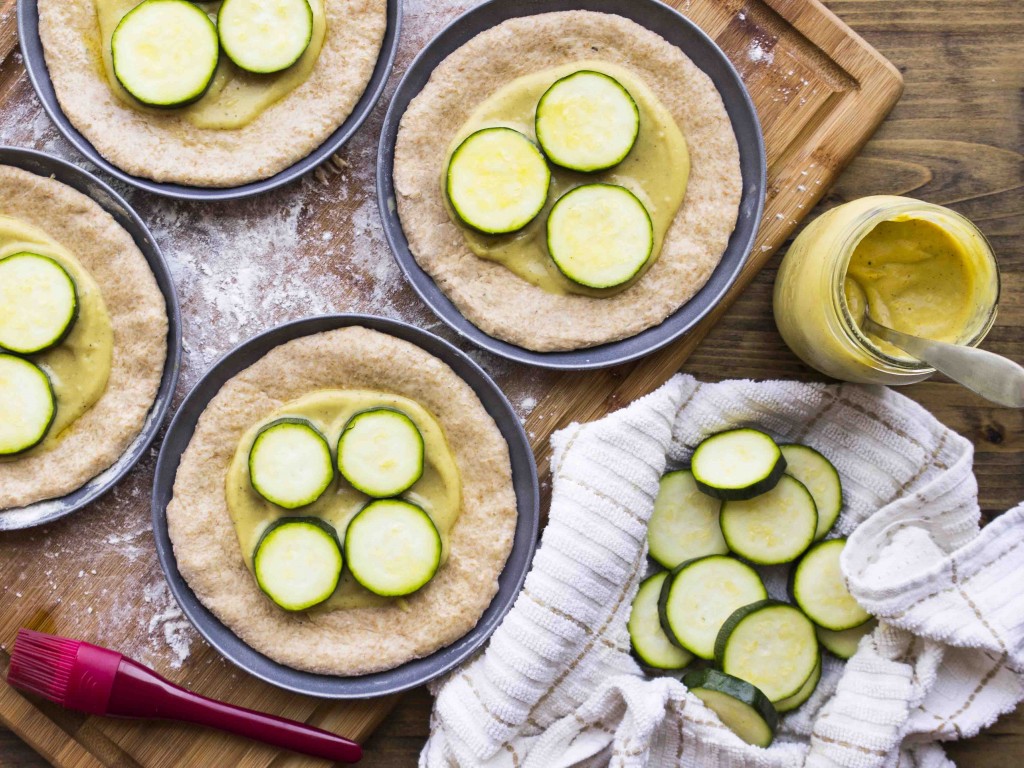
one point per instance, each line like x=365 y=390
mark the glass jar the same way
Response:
x=810 y=303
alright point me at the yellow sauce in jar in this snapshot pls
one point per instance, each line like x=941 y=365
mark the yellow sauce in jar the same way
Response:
x=912 y=276
x=915 y=266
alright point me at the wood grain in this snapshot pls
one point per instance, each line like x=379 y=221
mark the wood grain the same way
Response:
x=955 y=138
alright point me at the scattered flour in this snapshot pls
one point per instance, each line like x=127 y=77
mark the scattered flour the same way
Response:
x=168 y=623
x=240 y=267
x=759 y=54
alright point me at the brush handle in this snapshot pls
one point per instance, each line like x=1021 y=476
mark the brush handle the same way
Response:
x=140 y=693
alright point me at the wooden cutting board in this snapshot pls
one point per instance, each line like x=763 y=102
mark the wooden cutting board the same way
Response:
x=820 y=92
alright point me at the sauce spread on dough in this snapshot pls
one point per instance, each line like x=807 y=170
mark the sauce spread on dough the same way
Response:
x=656 y=171
x=235 y=97
x=438 y=491
x=79 y=366
x=913 y=276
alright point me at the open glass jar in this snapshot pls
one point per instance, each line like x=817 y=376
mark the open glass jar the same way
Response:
x=810 y=302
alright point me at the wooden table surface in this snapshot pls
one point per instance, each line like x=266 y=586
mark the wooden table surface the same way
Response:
x=956 y=138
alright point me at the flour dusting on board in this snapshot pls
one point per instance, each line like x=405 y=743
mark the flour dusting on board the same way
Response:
x=759 y=53
x=316 y=246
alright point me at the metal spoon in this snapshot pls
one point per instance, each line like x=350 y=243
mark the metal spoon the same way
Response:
x=992 y=376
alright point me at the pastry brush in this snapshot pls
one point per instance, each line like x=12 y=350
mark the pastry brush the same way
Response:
x=99 y=681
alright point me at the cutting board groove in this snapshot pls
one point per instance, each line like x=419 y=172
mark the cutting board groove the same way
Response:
x=820 y=92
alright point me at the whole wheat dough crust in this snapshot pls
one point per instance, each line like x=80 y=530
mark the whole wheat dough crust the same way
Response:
x=138 y=315
x=491 y=297
x=168 y=148
x=362 y=640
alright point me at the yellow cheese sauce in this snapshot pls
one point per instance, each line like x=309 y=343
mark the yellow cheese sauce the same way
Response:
x=920 y=268
x=913 y=276
x=235 y=97
x=656 y=170
x=79 y=366
x=438 y=491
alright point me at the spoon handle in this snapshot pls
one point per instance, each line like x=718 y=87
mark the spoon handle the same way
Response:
x=992 y=376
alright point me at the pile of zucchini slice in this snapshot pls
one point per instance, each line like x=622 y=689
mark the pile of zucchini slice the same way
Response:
x=391 y=546
x=38 y=307
x=165 y=52
x=746 y=501
x=599 y=235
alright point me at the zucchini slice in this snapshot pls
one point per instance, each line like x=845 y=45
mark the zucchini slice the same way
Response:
x=821 y=479
x=737 y=464
x=298 y=562
x=684 y=524
x=392 y=547
x=769 y=644
x=649 y=641
x=775 y=527
x=497 y=181
x=27 y=405
x=290 y=463
x=740 y=706
x=587 y=122
x=600 y=235
x=38 y=303
x=819 y=588
x=265 y=36
x=790 y=703
x=165 y=52
x=700 y=595
x=845 y=642
x=380 y=452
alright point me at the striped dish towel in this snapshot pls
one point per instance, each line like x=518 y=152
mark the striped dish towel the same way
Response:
x=556 y=685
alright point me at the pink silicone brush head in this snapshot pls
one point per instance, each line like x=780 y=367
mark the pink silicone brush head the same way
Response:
x=99 y=681
x=42 y=664
x=74 y=674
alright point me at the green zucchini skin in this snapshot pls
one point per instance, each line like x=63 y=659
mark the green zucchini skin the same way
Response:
x=547 y=144
x=821 y=479
x=42 y=377
x=315 y=492
x=459 y=198
x=746 y=613
x=679 y=501
x=268 y=536
x=807 y=575
x=737 y=616
x=68 y=324
x=362 y=484
x=701 y=562
x=736 y=516
x=121 y=70
x=766 y=479
x=762 y=720
x=845 y=643
x=652 y=652
x=801 y=696
x=224 y=24
x=562 y=260
x=663 y=606
x=391 y=561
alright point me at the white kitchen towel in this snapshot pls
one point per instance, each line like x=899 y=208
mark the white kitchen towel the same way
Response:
x=556 y=686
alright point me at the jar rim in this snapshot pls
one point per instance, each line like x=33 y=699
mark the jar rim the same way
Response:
x=859 y=229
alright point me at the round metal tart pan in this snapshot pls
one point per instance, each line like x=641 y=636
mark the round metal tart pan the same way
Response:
x=44 y=165
x=412 y=673
x=35 y=64
x=679 y=31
